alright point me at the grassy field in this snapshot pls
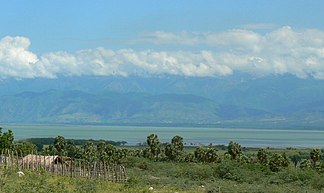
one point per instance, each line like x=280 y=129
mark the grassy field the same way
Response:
x=169 y=177
x=172 y=167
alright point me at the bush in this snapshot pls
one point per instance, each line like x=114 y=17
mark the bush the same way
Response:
x=318 y=182
x=291 y=175
x=207 y=155
x=197 y=172
x=32 y=182
x=86 y=186
x=227 y=170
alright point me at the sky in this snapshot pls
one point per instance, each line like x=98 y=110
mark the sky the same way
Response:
x=149 y=37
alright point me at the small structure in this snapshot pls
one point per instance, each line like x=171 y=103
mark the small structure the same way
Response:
x=46 y=161
x=64 y=166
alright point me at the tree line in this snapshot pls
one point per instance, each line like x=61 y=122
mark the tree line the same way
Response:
x=154 y=150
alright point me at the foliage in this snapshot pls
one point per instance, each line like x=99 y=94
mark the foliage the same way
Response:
x=6 y=140
x=86 y=186
x=296 y=158
x=89 y=152
x=206 y=154
x=50 y=150
x=278 y=161
x=188 y=157
x=317 y=182
x=174 y=150
x=154 y=144
x=305 y=164
x=195 y=170
x=110 y=152
x=60 y=145
x=78 y=142
x=234 y=149
x=262 y=156
x=315 y=156
x=73 y=151
x=24 y=148
x=120 y=155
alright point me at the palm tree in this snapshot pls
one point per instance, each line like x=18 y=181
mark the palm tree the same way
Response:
x=60 y=145
x=174 y=150
x=315 y=155
x=262 y=156
x=177 y=142
x=208 y=154
x=154 y=143
x=110 y=151
x=234 y=149
x=89 y=152
x=72 y=150
x=6 y=139
x=101 y=150
x=278 y=161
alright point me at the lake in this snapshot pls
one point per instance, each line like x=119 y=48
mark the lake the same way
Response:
x=195 y=136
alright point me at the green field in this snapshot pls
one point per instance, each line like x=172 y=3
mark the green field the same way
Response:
x=168 y=166
x=228 y=176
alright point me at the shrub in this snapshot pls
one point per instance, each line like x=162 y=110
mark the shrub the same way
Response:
x=208 y=154
x=262 y=156
x=318 y=182
x=234 y=149
x=278 y=161
x=227 y=170
x=86 y=186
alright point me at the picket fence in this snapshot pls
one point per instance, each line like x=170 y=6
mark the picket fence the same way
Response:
x=64 y=166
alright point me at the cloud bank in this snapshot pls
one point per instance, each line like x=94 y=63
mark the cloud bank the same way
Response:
x=282 y=51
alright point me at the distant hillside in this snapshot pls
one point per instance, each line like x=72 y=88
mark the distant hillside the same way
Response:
x=240 y=101
x=79 y=107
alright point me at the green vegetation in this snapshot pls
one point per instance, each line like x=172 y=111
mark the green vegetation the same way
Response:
x=41 y=142
x=172 y=167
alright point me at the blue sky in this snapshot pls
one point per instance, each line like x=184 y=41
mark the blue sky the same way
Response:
x=190 y=38
x=78 y=24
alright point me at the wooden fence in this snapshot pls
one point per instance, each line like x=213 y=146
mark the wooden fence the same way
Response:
x=64 y=166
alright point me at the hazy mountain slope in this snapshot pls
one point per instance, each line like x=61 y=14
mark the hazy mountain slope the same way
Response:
x=271 y=100
x=78 y=107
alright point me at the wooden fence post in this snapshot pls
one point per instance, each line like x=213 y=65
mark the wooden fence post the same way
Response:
x=80 y=165
x=98 y=169
x=22 y=160
x=71 y=166
x=31 y=161
x=52 y=164
x=104 y=168
x=2 y=158
x=17 y=161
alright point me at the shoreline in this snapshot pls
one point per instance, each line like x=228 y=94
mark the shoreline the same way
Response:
x=248 y=137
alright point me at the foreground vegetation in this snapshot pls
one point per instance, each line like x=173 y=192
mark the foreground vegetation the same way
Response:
x=171 y=167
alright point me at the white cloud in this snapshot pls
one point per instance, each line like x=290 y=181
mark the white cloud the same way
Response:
x=16 y=60
x=239 y=40
x=258 y=26
x=282 y=51
x=161 y=37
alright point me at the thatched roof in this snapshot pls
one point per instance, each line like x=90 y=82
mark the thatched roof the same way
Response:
x=45 y=160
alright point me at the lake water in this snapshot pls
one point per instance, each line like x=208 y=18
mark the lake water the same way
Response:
x=135 y=134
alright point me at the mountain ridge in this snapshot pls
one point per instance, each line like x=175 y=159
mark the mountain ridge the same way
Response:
x=271 y=101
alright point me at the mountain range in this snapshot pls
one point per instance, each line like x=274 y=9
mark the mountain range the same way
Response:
x=233 y=101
